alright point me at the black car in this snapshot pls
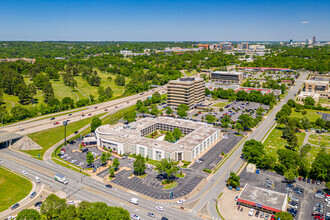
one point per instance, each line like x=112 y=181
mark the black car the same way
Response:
x=257 y=214
x=308 y=180
x=84 y=150
x=15 y=206
x=76 y=132
x=72 y=142
x=164 y=218
x=52 y=118
x=37 y=204
x=108 y=186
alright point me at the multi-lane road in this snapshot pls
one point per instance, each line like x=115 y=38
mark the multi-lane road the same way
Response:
x=81 y=187
x=44 y=122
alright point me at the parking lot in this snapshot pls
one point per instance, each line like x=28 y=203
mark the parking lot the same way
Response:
x=304 y=202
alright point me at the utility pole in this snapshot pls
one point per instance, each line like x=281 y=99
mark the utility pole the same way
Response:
x=65 y=123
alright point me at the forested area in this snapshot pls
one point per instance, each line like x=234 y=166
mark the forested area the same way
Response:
x=296 y=58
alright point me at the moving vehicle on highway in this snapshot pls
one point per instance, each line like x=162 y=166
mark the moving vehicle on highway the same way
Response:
x=61 y=178
x=135 y=216
x=24 y=172
x=160 y=208
x=15 y=206
x=37 y=179
x=33 y=195
x=134 y=201
x=150 y=214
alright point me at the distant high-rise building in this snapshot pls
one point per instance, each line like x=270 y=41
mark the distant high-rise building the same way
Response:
x=308 y=41
x=291 y=41
x=314 y=40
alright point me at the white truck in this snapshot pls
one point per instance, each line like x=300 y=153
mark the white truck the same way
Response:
x=61 y=178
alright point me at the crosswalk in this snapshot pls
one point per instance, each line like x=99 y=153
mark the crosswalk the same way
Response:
x=166 y=204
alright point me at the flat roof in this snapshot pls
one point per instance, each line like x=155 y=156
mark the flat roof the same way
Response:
x=8 y=136
x=227 y=72
x=265 y=198
x=132 y=133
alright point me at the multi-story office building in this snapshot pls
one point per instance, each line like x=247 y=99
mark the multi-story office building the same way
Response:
x=131 y=138
x=243 y=46
x=227 y=76
x=319 y=87
x=226 y=46
x=185 y=90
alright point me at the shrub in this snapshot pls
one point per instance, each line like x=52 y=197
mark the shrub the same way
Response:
x=207 y=170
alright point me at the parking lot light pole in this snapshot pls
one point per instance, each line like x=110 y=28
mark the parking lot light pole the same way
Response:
x=65 y=123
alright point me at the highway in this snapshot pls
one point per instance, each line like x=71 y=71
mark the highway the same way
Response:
x=44 y=122
x=92 y=190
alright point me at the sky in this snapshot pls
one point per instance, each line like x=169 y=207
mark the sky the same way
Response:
x=190 y=20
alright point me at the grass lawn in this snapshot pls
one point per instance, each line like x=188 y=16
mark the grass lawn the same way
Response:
x=170 y=185
x=62 y=91
x=13 y=188
x=321 y=140
x=142 y=176
x=221 y=104
x=191 y=73
x=49 y=137
x=275 y=141
x=87 y=89
x=180 y=175
x=113 y=118
x=311 y=114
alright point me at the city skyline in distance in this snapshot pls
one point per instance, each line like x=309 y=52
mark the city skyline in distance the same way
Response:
x=164 y=21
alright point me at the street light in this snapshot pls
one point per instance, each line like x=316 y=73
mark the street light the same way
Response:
x=65 y=123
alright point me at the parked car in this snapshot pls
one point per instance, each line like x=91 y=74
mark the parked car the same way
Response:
x=108 y=186
x=71 y=202
x=257 y=213
x=290 y=185
x=251 y=212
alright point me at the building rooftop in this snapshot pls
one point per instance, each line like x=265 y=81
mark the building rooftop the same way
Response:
x=132 y=132
x=227 y=72
x=264 y=197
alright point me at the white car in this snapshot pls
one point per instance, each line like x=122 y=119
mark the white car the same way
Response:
x=1 y=161
x=181 y=201
x=251 y=212
x=37 y=179
x=73 y=161
x=136 y=217
x=160 y=208
x=24 y=172
x=71 y=202
x=68 y=158
x=81 y=163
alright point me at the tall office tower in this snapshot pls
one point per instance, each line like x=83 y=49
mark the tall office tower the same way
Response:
x=314 y=40
x=185 y=90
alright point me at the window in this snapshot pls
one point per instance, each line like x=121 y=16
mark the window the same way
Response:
x=150 y=153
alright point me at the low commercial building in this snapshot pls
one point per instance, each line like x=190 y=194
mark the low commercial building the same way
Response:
x=265 y=69
x=227 y=76
x=131 y=138
x=186 y=90
x=319 y=87
x=262 y=199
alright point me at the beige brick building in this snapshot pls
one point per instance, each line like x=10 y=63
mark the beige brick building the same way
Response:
x=319 y=87
x=185 y=90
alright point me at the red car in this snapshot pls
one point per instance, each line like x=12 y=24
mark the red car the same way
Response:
x=89 y=114
x=300 y=178
x=56 y=123
x=272 y=217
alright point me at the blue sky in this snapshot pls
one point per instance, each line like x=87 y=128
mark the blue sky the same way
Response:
x=193 y=20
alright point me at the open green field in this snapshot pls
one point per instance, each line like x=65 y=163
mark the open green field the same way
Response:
x=87 y=89
x=49 y=137
x=275 y=141
x=191 y=73
x=321 y=140
x=62 y=91
x=13 y=188
x=311 y=114
x=221 y=104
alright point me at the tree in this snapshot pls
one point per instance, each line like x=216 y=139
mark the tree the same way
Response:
x=210 y=118
x=327 y=185
x=115 y=163
x=111 y=171
x=292 y=140
x=154 y=110
x=139 y=165
x=239 y=127
x=96 y=122
x=233 y=180
x=89 y=158
x=246 y=121
x=156 y=97
x=103 y=157
x=309 y=101
x=283 y=215
x=120 y=80
x=290 y=174
x=169 y=111
x=169 y=137
x=138 y=104
x=108 y=92
x=168 y=167
x=177 y=133
x=182 y=110
x=29 y=214
x=53 y=207
x=253 y=151
x=321 y=166
x=130 y=116
x=68 y=102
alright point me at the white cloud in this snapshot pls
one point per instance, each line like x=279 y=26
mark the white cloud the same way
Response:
x=305 y=22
